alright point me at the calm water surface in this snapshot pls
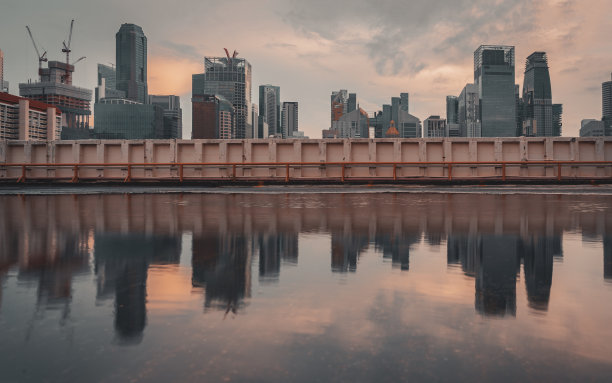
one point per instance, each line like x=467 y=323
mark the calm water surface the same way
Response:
x=304 y=288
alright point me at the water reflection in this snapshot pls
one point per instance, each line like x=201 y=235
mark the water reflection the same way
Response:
x=51 y=240
x=121 y=266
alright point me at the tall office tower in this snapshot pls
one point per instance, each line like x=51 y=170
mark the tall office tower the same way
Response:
x=395 y=107
x=173 y=114
x=229 y=78
x=606 y=104
x=452 y=109
x=107 y=83
x=468 y=111
x=290 y=119
x=131 y=57
x=434 y=126
x=494 y=77
x=213 y=117
x=537 y=97
x=352 y=102
x=270 y=107
x=339 y=105
x=557 y=113
x=520 y=110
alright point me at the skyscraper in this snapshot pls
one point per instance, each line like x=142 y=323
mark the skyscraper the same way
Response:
x=230 y=78
x=537 y=97
x=557 y=112
x=213 y=117
x=352 y=102
x=131 y=56
x=107 y=83
x=494 y=77
x=269 y=107
x=452 y=109
x=173 y=114
x=434 y=126
x=339 y=105
x=290 y=119
x=468 y=111
x=606 y=104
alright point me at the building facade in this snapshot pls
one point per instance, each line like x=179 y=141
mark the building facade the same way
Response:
x=229 y=78
x=592 y=128
x=107 y=83
x=338 y=105
x=55 y=88
x=173 y=114
x=213 y=117
x=452 y=109
x=270 y=107
x=469 y=111
x=537 y=113
x=290 y=119
x=606 y=104
x=131 y=60
x=25 y=119
x=494 y=73
x=128 y=120
x=3 y=84
x=352 y=125
x=434 y=126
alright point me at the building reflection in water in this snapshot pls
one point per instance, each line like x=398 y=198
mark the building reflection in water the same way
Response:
x=490 y=237
x=221 y=265
x=121 y=266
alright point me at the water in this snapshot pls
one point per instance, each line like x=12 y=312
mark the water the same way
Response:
x=305 y=287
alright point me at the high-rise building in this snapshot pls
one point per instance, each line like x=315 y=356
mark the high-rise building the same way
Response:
x=213 y=117
x=173 y=114
x=606 y=104
x=468 y=111
x=229 y=78
x=128 y=120
x=270 y=107
x=537 y=97
x=55 y=88
x=434 y=126
x=452 y=109
x=557 y=111
x=339 y=105
x=25 y=119
x=352 y=102
x=131 y=57
x=290 y=119
x=494 y=77
x=107 y=83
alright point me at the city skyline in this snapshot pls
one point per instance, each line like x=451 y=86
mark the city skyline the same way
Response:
x=311 y=59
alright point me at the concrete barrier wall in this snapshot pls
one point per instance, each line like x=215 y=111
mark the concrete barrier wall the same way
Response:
x=318 y=151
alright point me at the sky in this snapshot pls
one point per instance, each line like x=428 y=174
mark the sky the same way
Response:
x=376 y=49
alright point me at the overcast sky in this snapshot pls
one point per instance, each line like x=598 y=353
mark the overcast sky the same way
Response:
x=376 y=49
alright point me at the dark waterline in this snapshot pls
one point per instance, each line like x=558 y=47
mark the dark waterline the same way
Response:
x=305 y=287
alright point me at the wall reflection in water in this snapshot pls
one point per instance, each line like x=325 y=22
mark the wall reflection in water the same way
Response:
x=49 y=240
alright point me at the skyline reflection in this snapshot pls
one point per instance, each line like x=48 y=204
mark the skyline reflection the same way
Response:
x=49 y=241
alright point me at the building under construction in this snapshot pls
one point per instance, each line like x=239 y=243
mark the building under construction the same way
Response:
x=55 y=88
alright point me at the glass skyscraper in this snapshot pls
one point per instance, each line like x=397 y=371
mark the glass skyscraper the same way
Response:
x=494 y=77
x=231 y=79
x=269 y=107
x=606 y=104
x=537 y=97
x=128 y=120
x=131 y=56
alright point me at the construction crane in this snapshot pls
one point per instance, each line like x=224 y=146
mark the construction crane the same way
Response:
x=66 y=48
x=82 y=58
x=233 y=56
x=42 y=57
